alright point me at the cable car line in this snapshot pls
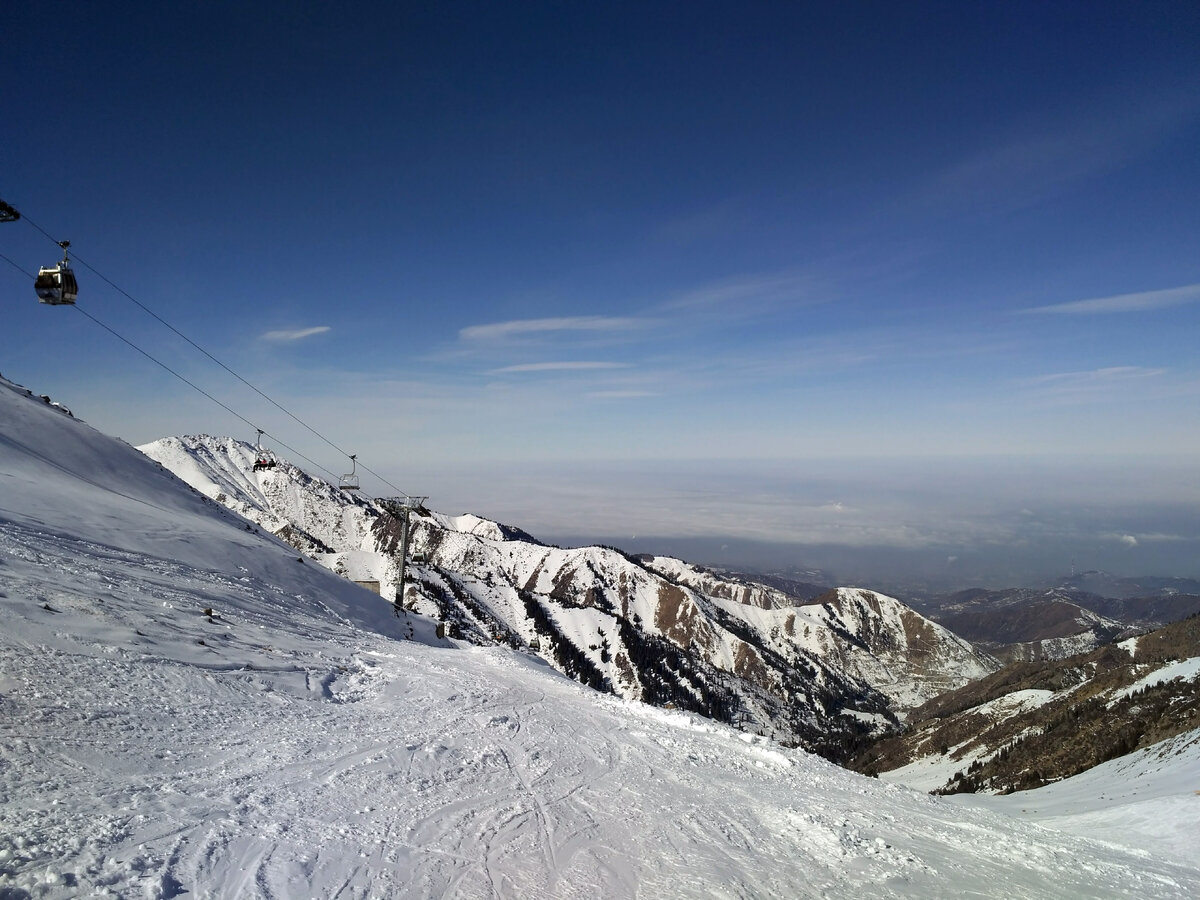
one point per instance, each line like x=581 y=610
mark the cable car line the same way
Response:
x=191 y=384
x=15 y=265
x=201 y=390
x=179 y=333
x=218 y=362
x=159 y=362
x=153 y=359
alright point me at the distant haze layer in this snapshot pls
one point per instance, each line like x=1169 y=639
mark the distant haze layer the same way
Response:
x=941 y=523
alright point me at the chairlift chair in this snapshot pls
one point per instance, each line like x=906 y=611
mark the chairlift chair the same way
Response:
x=56 y=285
x=263 y=458
x=349 y=481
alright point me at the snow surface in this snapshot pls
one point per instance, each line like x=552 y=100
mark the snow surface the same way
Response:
x=296 y=743
x=1153 y=793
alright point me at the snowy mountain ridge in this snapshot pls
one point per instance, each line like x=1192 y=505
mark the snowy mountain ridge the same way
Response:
x=822 y=674
x=188 y=709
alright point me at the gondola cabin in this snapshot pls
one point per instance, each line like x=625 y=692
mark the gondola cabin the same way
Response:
x=56 y=285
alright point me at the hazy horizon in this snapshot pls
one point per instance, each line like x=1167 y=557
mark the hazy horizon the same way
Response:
x=961 y=523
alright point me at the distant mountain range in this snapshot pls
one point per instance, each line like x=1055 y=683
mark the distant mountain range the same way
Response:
x=1052 y=623
x=825 y=674
x=1123 y=588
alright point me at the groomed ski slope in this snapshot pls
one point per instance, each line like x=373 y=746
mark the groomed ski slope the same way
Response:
x=287 y=746
x=1149 y=796
x=421 y=773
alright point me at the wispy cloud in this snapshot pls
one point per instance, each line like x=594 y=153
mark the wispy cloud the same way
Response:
x=1097 y=382
x=1121 y=303
x=711 y=223
x=1107 y=375
x=620 y=395
x=558 y=367
x=745 y=293
x=1025 y=170
x=294 y=334
x=1036 y=162
x=500 y=330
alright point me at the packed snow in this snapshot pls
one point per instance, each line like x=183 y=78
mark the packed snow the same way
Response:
x=190 y=709
x=1152 y=793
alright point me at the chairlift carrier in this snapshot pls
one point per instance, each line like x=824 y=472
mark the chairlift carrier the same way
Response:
x=56 y=285
x=263 y=458
x=349 y=481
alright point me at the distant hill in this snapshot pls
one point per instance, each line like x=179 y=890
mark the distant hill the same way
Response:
x=1017 y=624
x=1033 y=723
x=1126 y=588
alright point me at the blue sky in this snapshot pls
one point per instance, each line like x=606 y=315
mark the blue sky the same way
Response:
x=565 y=246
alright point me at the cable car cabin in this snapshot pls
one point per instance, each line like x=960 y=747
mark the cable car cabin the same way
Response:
x=56 y=285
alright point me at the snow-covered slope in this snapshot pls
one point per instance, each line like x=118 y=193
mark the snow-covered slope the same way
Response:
x=890 y=646
x=655 y=629
x=1151 y=792
x=717 y=585
x=283 y=746
x=312 y=514
x=64 y=481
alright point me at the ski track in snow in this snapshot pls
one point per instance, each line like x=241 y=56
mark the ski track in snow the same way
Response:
x=328 y=762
